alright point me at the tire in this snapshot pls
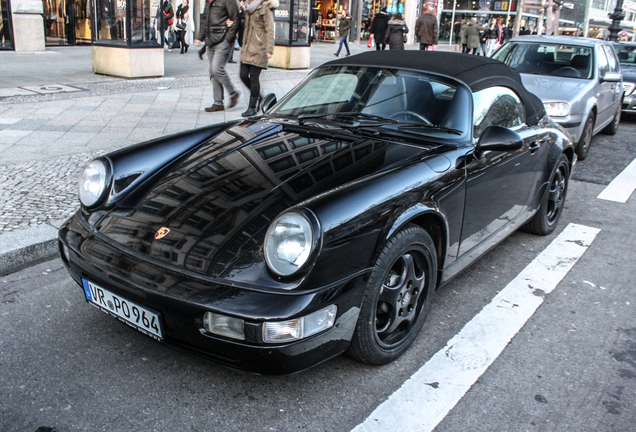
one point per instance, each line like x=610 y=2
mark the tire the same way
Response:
x=397 y=299
x=546 y=218
x=612 y=128
x=585 y=141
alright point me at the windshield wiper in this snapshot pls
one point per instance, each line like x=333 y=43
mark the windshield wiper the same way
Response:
x=348 y=116
x=425 y=126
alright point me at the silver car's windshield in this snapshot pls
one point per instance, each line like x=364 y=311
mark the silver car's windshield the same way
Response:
x=568 y=61
x=390 y=98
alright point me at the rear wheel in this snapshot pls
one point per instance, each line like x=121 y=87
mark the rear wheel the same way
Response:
x=397 y=299
x=545 y=219
x=612 y=128
x=586 y=138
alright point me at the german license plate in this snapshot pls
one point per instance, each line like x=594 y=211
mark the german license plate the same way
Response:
x=134 y=315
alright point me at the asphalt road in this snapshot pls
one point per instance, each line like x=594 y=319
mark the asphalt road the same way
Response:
x=66 y=365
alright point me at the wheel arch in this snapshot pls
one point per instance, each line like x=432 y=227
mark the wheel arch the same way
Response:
x=429 y=219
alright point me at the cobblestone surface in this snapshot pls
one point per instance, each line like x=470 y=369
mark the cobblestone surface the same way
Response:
x=40 y=191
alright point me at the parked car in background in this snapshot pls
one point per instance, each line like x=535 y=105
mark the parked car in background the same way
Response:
x=274 y=243
x=578 y=80
x=626 y=53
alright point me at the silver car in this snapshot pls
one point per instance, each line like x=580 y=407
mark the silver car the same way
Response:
x=578 y=80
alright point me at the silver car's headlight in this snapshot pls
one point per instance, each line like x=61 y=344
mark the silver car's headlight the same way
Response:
x=92 y=182
x=288 y=243
x=557 y=109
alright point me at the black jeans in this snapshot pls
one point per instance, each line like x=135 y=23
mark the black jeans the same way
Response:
x=250 y=75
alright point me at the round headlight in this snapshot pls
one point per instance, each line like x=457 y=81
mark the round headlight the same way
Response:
x=92 y=182
x=288 y=243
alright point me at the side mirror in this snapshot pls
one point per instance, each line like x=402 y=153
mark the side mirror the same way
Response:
x=612 y=77
x=497 y=138
x=268 y=102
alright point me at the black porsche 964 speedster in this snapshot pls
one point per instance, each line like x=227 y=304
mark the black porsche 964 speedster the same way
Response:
x=326 y=224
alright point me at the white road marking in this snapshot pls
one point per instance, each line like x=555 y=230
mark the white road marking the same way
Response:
x=621 y=188
x=427 y=397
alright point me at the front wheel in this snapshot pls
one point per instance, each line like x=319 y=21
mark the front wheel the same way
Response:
x=585 y=141
x=398 y=298
x=545 y=219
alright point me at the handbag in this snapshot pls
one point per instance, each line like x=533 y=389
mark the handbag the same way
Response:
x=181 y=25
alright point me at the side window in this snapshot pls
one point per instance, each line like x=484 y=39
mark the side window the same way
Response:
x=611 y=58
x=498 y=106
x=603 y=66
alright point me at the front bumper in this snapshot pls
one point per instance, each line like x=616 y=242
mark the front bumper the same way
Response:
x=182 y=301
x=573 y=124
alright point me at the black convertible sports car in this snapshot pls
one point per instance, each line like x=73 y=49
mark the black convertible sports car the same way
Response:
x=325 y=225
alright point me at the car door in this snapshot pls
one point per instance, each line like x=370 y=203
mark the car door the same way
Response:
x=500 y=184
x=605 y=89
x=617 y=88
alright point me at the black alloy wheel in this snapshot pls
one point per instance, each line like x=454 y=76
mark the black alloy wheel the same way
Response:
x=545 y=219
x=583 y=147
x=398 y=297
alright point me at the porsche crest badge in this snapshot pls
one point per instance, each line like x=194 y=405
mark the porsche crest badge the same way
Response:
x=161 y=233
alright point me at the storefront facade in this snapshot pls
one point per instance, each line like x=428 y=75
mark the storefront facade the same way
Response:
x=67 y=22
x=6 y=28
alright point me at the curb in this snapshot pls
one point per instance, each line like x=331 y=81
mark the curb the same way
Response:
x=23 y=248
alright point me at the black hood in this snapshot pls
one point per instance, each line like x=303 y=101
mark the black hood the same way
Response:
x=219 y=201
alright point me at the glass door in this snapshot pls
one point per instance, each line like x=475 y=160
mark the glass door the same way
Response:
x=67 y=22
x=6 y=35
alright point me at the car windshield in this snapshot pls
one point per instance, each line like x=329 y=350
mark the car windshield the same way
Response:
x=568 y=61
x=626 y=54
x=387 y=99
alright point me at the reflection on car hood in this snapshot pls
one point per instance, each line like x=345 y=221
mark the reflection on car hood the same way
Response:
x=554 y=89
x=218 y=203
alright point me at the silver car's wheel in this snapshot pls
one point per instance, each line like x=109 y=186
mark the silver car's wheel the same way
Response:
x=612 y=128
x=586 y=138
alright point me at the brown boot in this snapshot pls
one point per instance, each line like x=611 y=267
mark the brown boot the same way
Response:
x=214 y=108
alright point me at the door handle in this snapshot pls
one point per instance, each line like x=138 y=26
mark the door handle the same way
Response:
x=534 y=146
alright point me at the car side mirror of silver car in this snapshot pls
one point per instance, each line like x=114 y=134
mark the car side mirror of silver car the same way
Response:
x=612 y=77
x=268 y=102
x=497 y=138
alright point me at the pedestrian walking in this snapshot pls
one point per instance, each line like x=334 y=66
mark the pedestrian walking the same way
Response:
x=463 y=36
x=472 y=36
x=395 y=35
x=343 y=31
x=457 y=28
x=166 y=12
x=491 y=38
x=183 y=14
x=219 y=41
x=257 y=49
x=426 y=29
x=378 y=28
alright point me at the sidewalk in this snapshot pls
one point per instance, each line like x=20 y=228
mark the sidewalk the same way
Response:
x=56 y=115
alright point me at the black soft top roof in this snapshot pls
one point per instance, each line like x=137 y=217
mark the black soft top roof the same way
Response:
x=476 y=72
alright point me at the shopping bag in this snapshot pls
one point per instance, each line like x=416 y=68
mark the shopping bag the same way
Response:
x=371 y=43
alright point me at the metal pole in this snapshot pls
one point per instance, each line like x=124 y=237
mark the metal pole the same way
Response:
x=617 y=16
x=450 y=39
x=518 y=17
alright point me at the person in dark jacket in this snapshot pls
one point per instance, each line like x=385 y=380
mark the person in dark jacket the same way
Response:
x=343 y=31
x=396 y=32
x=426 y=29
x=182 y=19
x=378 y=29
x=219 y=42
x=167 y=13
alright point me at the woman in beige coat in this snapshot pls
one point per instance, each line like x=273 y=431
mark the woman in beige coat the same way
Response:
x=258 y=47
